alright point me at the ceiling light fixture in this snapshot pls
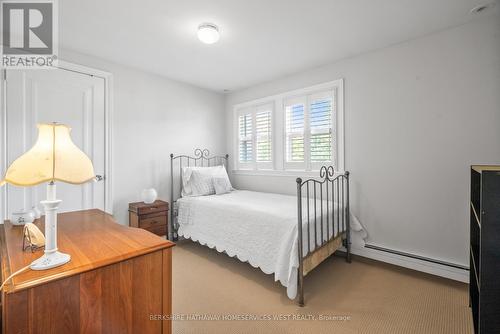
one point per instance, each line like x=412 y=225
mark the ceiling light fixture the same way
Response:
x=208 y=33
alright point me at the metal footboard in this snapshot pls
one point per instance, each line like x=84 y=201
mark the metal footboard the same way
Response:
x=322 y=213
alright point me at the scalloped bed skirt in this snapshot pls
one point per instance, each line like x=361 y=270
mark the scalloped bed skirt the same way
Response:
x=258 y=228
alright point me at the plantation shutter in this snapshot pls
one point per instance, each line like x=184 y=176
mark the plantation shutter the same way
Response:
x=245 y=138
x=320 y=120
x=309 y=131
x=255 y=137
x=263 y=133
x=294 y=131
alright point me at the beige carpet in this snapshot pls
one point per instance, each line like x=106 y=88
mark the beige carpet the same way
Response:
x=362 y=297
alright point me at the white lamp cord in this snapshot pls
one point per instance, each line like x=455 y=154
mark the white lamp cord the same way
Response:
x=12 y=275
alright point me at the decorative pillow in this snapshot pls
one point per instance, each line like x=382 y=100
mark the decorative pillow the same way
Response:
x=221 y=185
x=197 y=181
x=201 y=184
x=187 y=178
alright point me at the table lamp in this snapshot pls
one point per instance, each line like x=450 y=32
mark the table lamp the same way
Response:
x=54 y=157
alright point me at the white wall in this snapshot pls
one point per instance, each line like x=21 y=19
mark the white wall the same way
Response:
x=417 y=114
x=153 y=117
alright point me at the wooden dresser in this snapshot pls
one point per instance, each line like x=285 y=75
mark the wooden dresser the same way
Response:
x=152 y=217
x=117 y=279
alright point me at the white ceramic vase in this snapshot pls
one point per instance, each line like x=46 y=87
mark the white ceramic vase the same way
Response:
x=149 y=195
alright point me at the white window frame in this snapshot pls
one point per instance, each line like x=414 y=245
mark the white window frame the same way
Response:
x=279 y=165
x=306 y=100
x=253 y=110
x=244 y=165
x=317 y=96
x=294 y=165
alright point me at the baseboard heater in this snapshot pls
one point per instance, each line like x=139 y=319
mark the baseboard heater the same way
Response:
x=418 y=257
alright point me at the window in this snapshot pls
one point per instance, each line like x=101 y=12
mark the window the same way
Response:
x=309 y=131
x=295 y=119
x=255 y=131
x=299 y=130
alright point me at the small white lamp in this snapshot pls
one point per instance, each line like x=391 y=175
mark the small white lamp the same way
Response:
x=54 y=157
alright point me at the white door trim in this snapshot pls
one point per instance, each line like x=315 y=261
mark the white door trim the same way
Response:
x=108 y=116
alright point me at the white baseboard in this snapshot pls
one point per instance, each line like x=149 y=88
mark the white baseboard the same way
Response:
x=456 y=274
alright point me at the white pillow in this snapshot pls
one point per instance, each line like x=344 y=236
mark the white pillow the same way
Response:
x=201 y=184
x=197 y=181
x=221 y=185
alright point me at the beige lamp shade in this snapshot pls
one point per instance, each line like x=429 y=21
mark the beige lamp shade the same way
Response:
x=54 y=157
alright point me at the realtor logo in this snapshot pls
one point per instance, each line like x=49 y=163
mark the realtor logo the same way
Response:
x=29 y=34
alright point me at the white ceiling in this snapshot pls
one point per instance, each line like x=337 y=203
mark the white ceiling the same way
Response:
x=260 y=39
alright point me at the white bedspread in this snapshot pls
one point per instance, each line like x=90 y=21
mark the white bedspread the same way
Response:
x=259 y=228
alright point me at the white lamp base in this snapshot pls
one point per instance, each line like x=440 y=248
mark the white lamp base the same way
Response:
x=50 y=260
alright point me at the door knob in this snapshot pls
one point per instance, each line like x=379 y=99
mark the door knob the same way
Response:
x=99 y=178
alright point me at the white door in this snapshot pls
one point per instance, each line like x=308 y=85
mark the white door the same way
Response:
x=63 y=96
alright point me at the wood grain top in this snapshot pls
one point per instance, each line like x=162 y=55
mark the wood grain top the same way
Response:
x=91 y=237
x=481 y=168
x=140 y=205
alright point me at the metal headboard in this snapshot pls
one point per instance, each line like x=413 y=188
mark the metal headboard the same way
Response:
x=201 y=158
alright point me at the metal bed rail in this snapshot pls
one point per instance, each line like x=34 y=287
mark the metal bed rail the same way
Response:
x=322 y=213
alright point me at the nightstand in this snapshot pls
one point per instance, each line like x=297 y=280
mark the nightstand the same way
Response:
x=152 y=217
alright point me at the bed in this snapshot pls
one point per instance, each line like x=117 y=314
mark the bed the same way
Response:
x=287 y=236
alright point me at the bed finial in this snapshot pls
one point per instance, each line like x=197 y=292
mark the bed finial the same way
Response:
x=171 y=155
x=298 y=180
